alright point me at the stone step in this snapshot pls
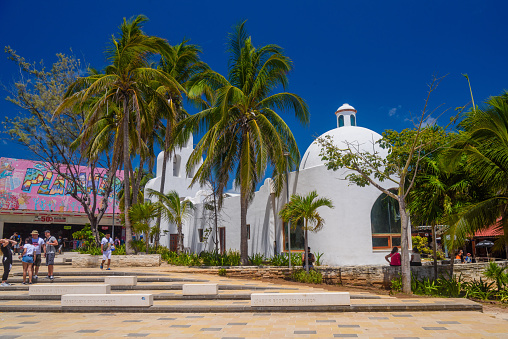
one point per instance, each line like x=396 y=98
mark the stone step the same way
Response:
x=200 y=289
x=56 y=289
x=301 y=299
x=395 y=307
x=171 y=287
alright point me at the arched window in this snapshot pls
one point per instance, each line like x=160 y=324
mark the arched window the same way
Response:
x=385 y=223
x=176 y=165
x=353 y=120
x=341 y=120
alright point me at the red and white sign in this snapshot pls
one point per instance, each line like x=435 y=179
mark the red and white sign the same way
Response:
x=49 y=218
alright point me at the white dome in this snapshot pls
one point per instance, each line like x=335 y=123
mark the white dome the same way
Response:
x=345 y=107
x=358 y=136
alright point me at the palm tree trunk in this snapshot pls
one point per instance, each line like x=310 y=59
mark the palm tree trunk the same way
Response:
x=306 y=248
x=405 y=269
x=243 y=228
x=180 y=238
x=126 y=181
x=434 y=249
x=163 y=180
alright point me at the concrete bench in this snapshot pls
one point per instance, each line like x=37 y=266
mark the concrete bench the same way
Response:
x=109 y=300
x=128 y=280
x=301 y=299
x=52 y=289
x=200 y=289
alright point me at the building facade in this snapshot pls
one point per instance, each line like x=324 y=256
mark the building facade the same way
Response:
x=360 y=230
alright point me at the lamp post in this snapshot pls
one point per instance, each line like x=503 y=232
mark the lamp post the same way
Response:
x=286 y=155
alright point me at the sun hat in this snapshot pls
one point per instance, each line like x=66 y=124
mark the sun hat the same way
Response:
x=34 y=232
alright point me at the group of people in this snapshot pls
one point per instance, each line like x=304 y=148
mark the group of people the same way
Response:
x=394 y=258
x=464 y=259
x=30 y=254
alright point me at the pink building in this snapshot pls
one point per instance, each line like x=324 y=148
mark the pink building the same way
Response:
x=32 y=197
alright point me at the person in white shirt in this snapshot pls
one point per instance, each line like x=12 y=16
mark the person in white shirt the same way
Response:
x=106 y=247
x=39 y=245
x=27 y=257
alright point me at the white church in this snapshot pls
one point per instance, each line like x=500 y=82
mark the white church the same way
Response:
x=361 y=229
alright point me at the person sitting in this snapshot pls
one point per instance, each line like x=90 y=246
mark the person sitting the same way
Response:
x=311 y=259
x=394 y=257
x=460 y=256
x=416 y=259
x=468 y=259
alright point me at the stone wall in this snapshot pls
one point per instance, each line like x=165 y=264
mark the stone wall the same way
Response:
x=87 y=260
x=378 y=276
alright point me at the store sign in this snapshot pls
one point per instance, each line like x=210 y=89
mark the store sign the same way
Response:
x=104 y=227
x=67 y=227
x=49 y=218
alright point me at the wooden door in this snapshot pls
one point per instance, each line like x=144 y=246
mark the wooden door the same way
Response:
x=222 y=239
x=173 y=242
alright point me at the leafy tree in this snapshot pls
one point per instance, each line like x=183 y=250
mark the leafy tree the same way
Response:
x=174 y=211
x=127 y=83
x=50 y=139
x=305 y=208
x=141 y=215
x=243 y=134
x=484 y=147
x=182 y=63
x=497 y=273
x=398 y=169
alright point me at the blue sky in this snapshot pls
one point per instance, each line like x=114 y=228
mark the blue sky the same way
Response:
x=377 y=56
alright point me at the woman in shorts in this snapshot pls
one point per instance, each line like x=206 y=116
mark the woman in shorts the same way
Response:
x=27 y=257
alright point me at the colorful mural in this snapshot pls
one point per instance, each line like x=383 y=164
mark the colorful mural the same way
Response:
x=28 y=185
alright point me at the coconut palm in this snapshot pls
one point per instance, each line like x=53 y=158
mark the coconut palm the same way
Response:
x=438 y=194
x=305 y=208
x=485 y=147
x=243 y=133
x=181 y=64
x=126 y=82
x=174 y=210
x=141 y=215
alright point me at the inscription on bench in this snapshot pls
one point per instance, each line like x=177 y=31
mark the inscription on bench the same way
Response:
x=301 y=299
x=69 y=289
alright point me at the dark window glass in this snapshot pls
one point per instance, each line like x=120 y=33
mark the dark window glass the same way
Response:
x=341 y=120
x=353 y=120
x=200 y=234
x=248 y=231
x=379 y=242
x=384 y=216
x=297 y=237
x=395 y=241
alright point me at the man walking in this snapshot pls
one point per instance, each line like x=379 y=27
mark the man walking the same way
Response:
x=49 y=252
x=38 y=243
x=106 y=244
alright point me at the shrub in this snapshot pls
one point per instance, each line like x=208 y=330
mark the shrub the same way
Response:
x=279 y=260
x=421 y=244
x=496 y=273
x=222 y=272
x=318 y=258
x=313 y=277
x=396 y=284
x=138 y=245
x=257 y=259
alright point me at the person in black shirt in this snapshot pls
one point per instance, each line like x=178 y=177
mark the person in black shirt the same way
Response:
x=5 y=245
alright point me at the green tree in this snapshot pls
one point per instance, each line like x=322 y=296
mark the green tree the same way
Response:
x=127 y=83
x=182 y=63
x=398 y=169
x=484 y=146
x=496 y=273
x=141 y=215
x=243 y=133
x=50 y=140
x=305 y=208
x=438 y=194
x=174 y=211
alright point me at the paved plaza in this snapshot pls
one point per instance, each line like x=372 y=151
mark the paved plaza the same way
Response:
x=24 y=316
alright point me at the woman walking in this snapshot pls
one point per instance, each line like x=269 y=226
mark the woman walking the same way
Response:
x=28 y=260
x=7 y=259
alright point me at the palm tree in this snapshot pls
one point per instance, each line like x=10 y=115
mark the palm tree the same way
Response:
x=485 y=147
x=305 y=208
x=141 y=215
x=174 y=211
x=438 y=194
x=243 y=132
x=181 y=64
x=126 y=83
